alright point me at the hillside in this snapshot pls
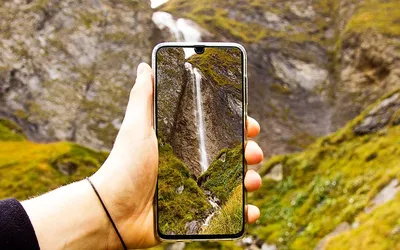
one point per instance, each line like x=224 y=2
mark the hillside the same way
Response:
x=313 y=65
x=337 y=182
x=28 y=169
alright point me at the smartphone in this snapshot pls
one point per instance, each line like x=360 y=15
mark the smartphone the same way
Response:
x=200 y=104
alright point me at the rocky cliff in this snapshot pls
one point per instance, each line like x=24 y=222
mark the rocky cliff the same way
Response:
x=313 y=65
x=221 y=100
x=66 y=67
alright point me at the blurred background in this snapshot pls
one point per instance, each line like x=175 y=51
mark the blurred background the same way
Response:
x=324 y=83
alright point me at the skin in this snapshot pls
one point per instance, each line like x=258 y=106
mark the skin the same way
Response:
x=71 y=217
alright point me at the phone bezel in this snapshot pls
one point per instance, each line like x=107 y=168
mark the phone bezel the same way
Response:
x=201 y=237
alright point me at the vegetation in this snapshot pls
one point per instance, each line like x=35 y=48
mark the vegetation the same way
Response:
x=215 y=60
x=331 y=182
x=28 y=169
x=378 y=230
x=178 y=191
x=9 y=131
x=231 y=19
x=224 y=174
x=378 y=15
x=229 y=220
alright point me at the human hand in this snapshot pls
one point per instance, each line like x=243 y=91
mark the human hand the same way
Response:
x=127 y=180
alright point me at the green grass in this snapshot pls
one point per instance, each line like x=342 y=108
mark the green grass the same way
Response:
x=221 y=178
x=332 y=181
x=216 y=60
x=174 y=210
x=229 y=220
x=382 y=16
x=28 y=169
x=9 y=131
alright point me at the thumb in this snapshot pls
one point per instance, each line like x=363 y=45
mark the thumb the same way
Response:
x=139 y=112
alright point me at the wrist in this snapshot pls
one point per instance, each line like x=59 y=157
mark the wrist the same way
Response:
x=71 y=217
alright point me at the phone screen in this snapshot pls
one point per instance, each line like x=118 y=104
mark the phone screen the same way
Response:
x=199 y=112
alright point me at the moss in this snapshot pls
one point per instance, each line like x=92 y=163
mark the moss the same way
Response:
x=223 y=176
x=173 y=206
x=281 y=89
x=332 y=181
x=26 y=168
x=378 y=15
x=378 y=230
x=10 y=131
x=213 y=62
x=229 y=220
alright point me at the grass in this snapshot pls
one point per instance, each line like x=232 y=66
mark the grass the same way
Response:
x=9 y=131
x=382 y=16
x=28 y=169
x=379 y=230
x=229 y=220
x=222 y=177
x=331 y=182
x=176 y=209
x=214 y=61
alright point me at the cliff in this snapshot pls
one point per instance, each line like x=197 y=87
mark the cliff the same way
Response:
x=66 y=67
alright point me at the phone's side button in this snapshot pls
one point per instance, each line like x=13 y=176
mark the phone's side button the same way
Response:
x=247 y=90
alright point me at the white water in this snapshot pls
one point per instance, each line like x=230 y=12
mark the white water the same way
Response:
x=156 y=3
x=200 y=121
x=196 y=76
x=182 y=29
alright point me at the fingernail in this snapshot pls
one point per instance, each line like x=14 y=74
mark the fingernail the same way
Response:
x=140 y=68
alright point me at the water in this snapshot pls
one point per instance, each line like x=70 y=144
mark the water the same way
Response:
x=156 y=3
x=182 y=29
x=196 y=76
x=200 y=121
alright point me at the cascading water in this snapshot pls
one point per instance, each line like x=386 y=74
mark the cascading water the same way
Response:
x=200 y=121
x=182 y=29
x=196 y=78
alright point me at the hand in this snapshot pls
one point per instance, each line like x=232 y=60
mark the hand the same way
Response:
x=127 y=180
x=71 y=217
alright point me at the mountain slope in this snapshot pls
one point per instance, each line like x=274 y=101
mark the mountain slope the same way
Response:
x=334 y=181
x=28 y=168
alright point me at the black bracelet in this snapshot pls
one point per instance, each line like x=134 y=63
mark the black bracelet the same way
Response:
x=108 y=214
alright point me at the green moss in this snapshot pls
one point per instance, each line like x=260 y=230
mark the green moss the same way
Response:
x=26 y=168
x=378 y=230
x=378 y=15
x=332 y=181
x=224 y=175
x=173 y=206
x=10 y=131
x=229 y=220
x=214 y=61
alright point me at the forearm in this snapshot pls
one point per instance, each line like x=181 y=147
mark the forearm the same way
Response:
x=71 y=217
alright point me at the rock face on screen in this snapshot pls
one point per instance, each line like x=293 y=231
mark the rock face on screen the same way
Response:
x=200 y=131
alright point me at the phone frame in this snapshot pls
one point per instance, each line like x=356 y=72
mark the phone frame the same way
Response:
x=200 y=237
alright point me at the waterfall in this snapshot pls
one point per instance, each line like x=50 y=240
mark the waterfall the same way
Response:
x=196 y=78
x=184 y=30
x=200 y=121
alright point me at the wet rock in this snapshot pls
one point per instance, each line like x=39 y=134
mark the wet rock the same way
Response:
x=380 y=116
x=192 y=227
